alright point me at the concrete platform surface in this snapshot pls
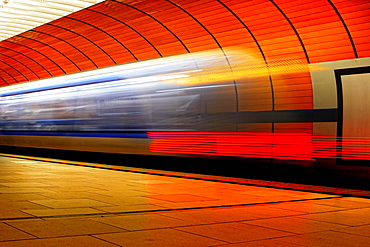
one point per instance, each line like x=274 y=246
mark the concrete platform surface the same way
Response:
x=53 y=204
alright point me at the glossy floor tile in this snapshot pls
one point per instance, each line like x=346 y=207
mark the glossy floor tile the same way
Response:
x=8 y=233
x=234 y=232
x=327 y=239
x=78 y=241
x=52 y=204
x=159 y=237
x=63 y=227
x=295 y=224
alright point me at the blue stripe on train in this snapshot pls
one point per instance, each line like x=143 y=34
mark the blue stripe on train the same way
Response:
x=78 y=134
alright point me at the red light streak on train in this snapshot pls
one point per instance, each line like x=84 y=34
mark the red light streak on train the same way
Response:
x=288 y=146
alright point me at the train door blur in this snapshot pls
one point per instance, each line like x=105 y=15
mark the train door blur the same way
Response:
x=355 y=116
x=356 y=105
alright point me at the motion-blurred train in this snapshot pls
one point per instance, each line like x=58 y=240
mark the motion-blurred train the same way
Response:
x=206 y=104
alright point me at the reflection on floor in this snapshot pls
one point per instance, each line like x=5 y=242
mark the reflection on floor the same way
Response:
x=53 y=204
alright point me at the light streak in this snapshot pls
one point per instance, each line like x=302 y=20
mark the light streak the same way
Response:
x=287 y=146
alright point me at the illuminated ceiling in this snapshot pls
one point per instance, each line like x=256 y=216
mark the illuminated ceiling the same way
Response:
x=18 y=16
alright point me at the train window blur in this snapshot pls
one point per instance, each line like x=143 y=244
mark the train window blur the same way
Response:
x=100 y=108
x=156 y=95
x=142 y=97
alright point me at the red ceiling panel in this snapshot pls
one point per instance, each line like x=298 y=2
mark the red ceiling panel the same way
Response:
x=12 y=71
x=318 y=13
x=14 y=60
x=77 y=44
x=93 y=41
x=356 y=16
x=27 y=56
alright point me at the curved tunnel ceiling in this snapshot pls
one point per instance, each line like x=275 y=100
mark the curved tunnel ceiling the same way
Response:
x=18 y=16
x=121 y=31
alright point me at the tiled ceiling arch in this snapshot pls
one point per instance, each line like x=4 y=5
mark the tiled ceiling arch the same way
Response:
x=121 y=31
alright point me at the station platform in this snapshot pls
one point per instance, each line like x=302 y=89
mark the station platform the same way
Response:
x=56 y=203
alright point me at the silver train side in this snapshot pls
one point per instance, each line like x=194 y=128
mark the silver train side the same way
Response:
x=188 y=105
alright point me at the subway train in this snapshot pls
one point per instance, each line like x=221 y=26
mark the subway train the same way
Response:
x=218 y=103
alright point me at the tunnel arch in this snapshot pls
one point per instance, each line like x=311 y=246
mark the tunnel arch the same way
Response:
x=121 y=31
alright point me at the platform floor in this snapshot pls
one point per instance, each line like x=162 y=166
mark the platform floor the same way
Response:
x=54 y=204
